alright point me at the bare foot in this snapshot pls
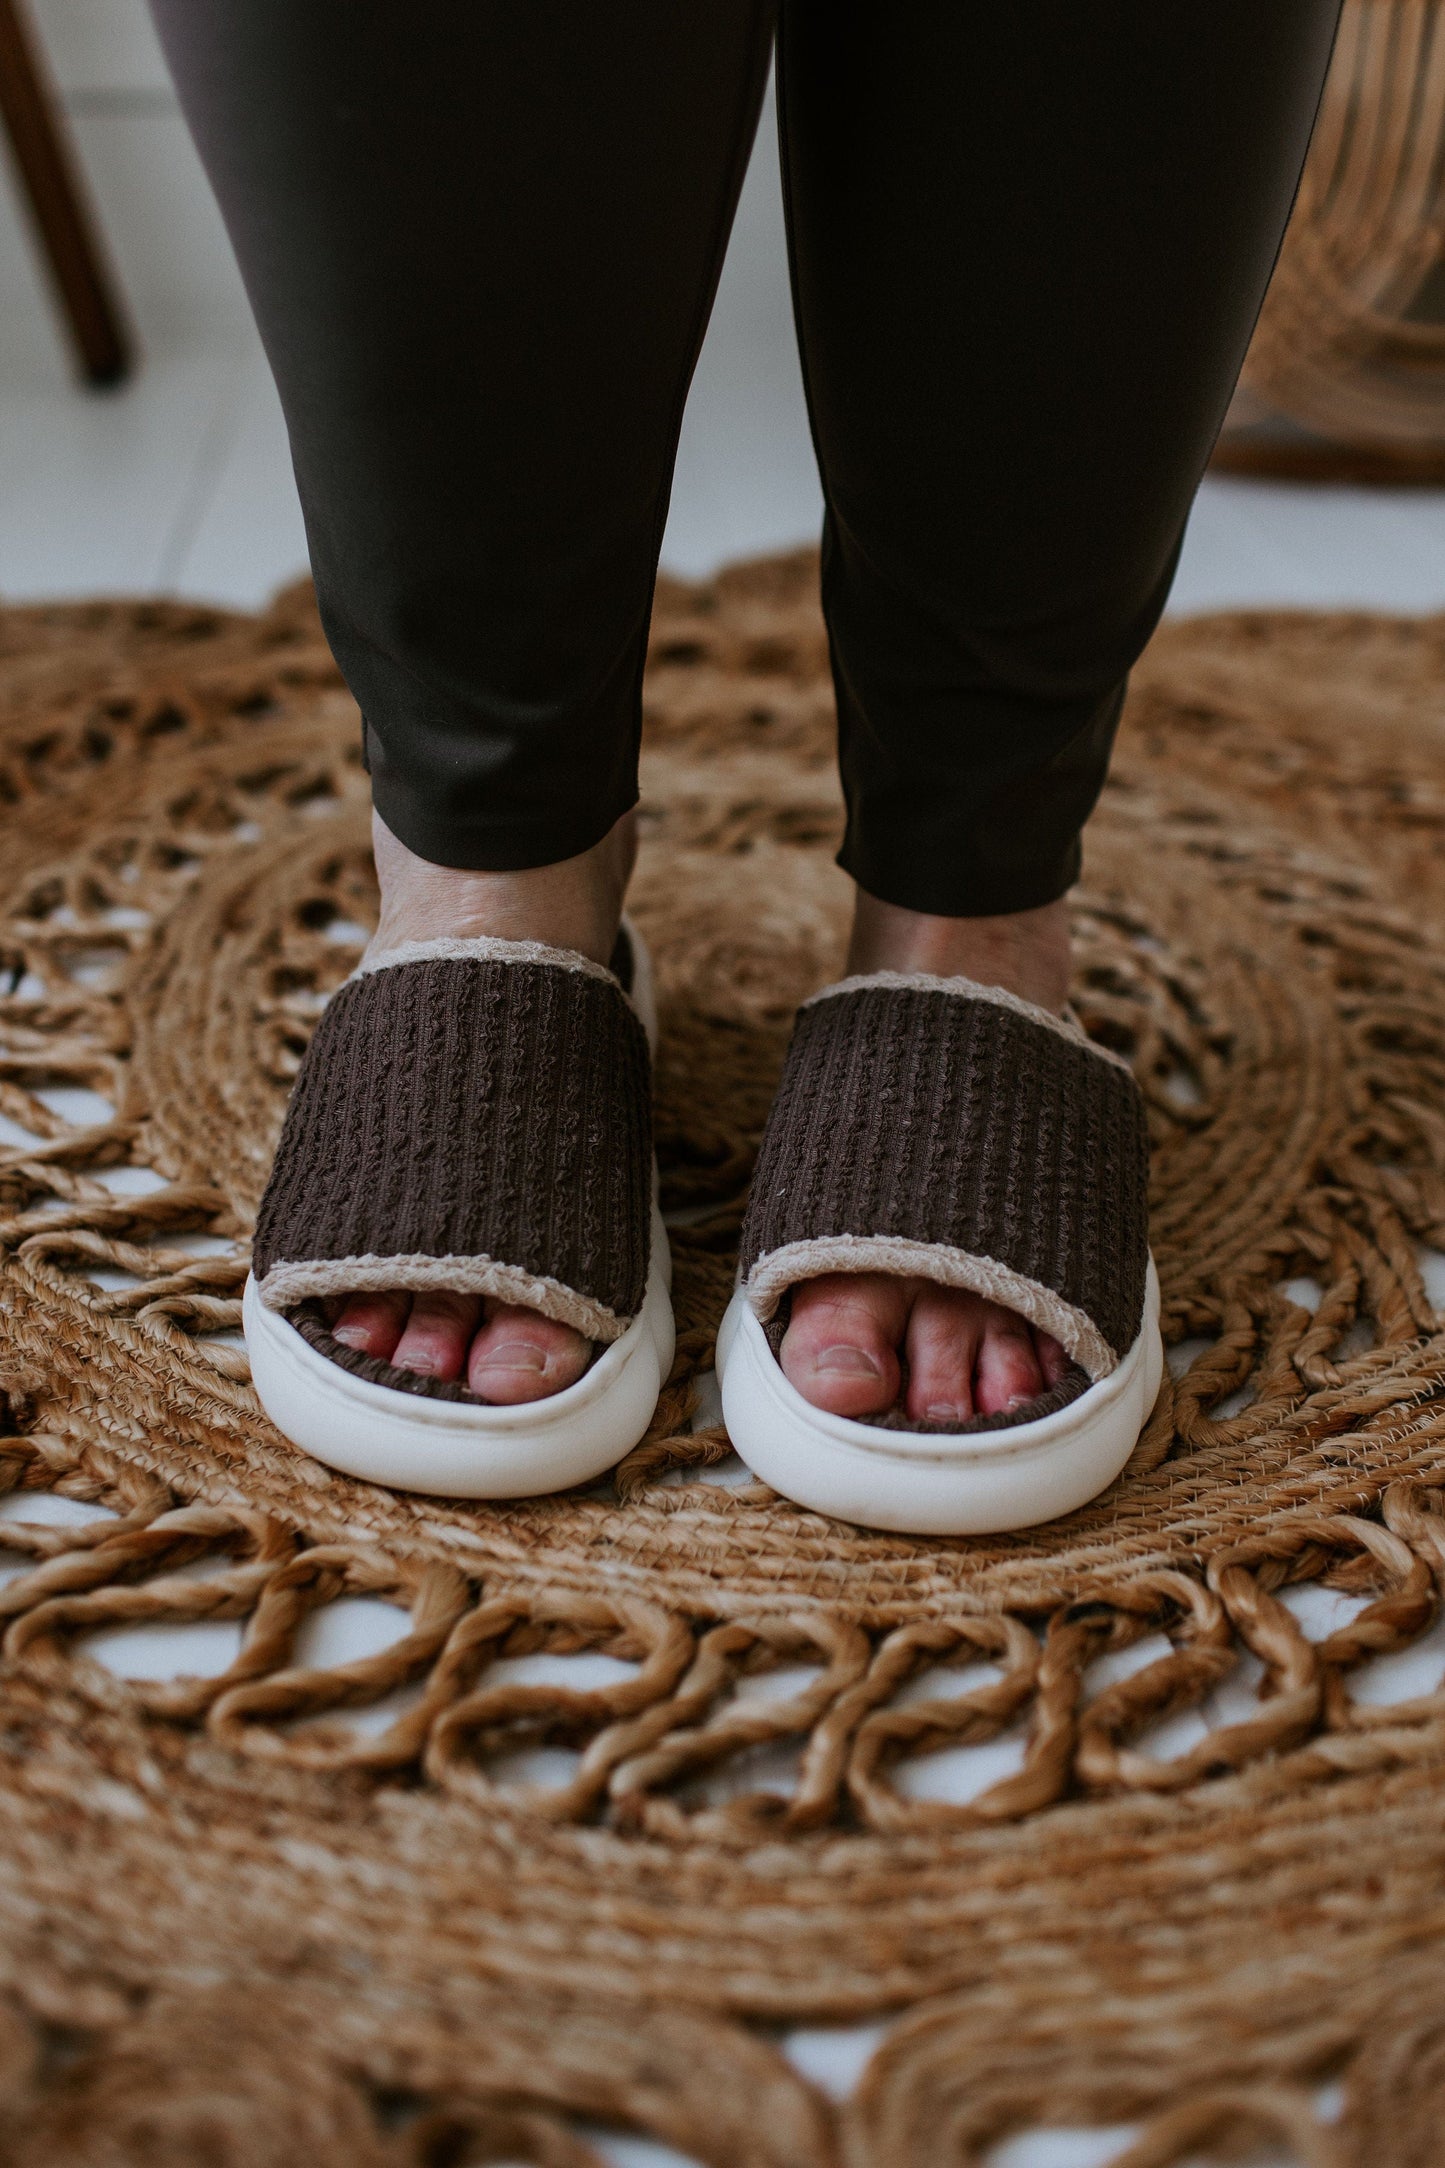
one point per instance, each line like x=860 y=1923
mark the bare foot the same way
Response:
x=504 y=1354
x=849 y=1333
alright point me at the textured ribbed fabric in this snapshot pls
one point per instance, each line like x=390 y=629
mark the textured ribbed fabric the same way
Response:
x=469 y=1109
x=953 y=1120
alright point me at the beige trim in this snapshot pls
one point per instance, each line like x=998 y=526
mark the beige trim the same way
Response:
x=1066 y=1026
x=481 y=948
x=289 y=1283
x=1072 y=1327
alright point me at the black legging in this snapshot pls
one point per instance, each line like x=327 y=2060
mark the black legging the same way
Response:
x=1029 y=240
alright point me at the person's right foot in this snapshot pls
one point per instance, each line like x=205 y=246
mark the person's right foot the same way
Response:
x=504 y=1354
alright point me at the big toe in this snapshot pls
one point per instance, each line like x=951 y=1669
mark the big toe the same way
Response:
x=519 y=1356
x=840 y=1350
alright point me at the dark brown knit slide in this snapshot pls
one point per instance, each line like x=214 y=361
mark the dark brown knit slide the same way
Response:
x=471 y=1115
x=941 y=1128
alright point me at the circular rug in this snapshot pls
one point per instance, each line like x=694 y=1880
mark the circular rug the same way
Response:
x=431 y=1905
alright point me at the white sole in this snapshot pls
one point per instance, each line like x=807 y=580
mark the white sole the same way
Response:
x=929 y=1484
x=453 y=1449
x=450 y=1448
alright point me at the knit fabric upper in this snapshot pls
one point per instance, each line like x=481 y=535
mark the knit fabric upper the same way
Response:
x=937 y=1128
x=479 y=1122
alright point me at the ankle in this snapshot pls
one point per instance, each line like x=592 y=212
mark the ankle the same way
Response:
x=1025 y=951
x=576 y=904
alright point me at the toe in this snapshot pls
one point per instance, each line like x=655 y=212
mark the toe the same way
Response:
x=840 y=1350
x=372 y=1324
x=519 y=1356
x=1053 y=1362
x=1008 y=1372
x=438 y=1333
x=945 y=1331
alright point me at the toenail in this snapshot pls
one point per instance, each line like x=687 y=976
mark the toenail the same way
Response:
x=351 y=1335
x=517 y=1355
x=1019 y=1400
x=943 y=1411
x=844 y=1361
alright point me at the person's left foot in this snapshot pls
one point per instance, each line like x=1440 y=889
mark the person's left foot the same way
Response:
x=849 y=1334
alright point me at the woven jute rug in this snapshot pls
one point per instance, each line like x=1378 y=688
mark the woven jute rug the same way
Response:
x=243 y=1923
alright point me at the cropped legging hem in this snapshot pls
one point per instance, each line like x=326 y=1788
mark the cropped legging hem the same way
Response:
x=483 y=838
x=1028 y=244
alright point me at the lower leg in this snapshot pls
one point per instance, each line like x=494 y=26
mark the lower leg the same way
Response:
x=481 y=244
x=1025 y=951
x=576 y=904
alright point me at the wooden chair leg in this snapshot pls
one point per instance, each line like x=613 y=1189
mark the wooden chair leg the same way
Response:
x=67 y=230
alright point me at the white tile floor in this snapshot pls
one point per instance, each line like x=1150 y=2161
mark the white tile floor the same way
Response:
x=181 y=483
